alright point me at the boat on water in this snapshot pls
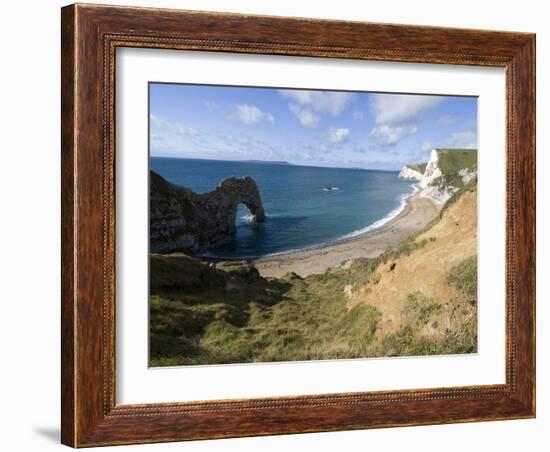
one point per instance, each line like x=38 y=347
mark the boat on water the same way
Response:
x=330 y=188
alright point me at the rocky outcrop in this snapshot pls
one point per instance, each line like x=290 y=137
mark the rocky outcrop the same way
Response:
x=182 y=220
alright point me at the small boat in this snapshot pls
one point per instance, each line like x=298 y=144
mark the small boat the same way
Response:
x=330 y=188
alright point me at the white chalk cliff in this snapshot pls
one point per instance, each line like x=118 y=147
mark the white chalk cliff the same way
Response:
x=432 y=170
x=409 y=173
x=432 y=183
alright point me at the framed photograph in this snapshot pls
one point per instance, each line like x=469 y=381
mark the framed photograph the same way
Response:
x=281 y=225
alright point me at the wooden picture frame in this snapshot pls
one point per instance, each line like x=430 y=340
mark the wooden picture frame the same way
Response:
x=90 y=36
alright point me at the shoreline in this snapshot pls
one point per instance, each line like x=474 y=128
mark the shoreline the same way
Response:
x=344 y=238
x=394 y=214
x=417 y=213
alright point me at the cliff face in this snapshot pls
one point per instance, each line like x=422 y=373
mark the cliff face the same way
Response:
x=445 y=173
x=182 y=220
x=425 y=277
x=409 y=173
x=432 y=170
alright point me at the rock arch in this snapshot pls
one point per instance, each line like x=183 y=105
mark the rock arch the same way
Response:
x=182 y=220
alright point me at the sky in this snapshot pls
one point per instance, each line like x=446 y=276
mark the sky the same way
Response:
x=306 y=127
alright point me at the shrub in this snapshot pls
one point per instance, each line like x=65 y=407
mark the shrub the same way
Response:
x=419 y=308
x=464 y=277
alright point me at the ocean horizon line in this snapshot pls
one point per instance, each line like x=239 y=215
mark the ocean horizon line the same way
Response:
x=275 y=162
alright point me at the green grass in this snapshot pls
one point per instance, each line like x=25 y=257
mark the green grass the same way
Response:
x=419 y=309
x=228 y=314
x=257 y=319
x=451 y=161
x=406 y=343
x=464 y=277
x=418 y=312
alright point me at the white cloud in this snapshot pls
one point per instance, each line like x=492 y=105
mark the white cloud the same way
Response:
x=388 y=135
x=394 y=109
x=245 y=146
x=250 y=114
x=396 y=115
x=306 y=117
x=174 y=126
x=331 y=102
x=426 y=146
x=358 y=115
x=338 y=135
x=464 y=140
x=168 y=137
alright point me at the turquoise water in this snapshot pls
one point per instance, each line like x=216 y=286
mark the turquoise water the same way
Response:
x=301 y=213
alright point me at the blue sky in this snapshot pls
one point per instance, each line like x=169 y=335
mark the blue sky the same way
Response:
x=306 y=127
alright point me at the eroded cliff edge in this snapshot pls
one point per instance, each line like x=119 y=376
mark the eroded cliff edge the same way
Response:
x=182 y=220
x=447 y=171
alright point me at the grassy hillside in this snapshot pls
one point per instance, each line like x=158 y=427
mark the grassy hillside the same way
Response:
x=202 y=314
x=453 y=160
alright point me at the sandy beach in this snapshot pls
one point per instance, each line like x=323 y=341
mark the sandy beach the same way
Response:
x=418 y=212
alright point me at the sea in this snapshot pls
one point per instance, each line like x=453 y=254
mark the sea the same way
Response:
x=306 y=206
